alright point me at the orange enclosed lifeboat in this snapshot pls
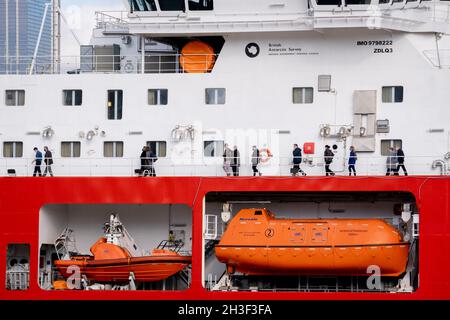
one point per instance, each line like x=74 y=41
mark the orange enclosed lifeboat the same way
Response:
x=256 y=243
x=197 y=57
x=112 y=263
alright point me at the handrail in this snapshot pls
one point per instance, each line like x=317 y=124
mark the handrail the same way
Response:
x=214 y=166
x=76 y=64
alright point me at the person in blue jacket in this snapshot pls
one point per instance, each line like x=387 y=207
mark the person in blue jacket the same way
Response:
x=37 y=161
x=297 y=160
x=352 y=161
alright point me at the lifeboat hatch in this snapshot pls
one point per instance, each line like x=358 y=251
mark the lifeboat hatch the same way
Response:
x=115 y=247
x=312 y=241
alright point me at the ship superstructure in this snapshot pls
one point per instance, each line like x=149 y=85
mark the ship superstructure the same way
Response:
x=176 y=88
x=275 y=74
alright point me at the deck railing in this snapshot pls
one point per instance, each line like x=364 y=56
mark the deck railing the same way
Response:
x=434 y=11
x=129 y=64
x=167 y=167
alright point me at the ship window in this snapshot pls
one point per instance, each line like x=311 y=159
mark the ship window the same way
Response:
x=143 y=5
x=302 y=95
x=392 y=94
x=158 y=147
x=72 y=97
x=386 y=144
x=195 y=5
x=12 y=149
x=357 y=2
x=18 y=267
x=70 y=149
x=324 y=83
x=215 y=95
x=172 y=5
x=113 y=149
x=157 y=97
x=115 y=101
x=15 y=97
x=329 y=2
x=213 y=148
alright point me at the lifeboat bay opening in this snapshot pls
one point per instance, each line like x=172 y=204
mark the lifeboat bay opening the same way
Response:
x=115 y=247
x=311 y=241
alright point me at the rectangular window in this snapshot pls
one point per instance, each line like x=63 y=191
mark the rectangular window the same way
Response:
x=213 y=148
x=386 y=144
x=324 y=83
x=157 y=97
x=15 y=97
x=302 y=95
x=215 y=95
x=158 y=147
x=113 y=149
x=172 y=5
x=72 y=97
x=18 y=267
x=195 y=5
x=392 y=94
x=115 y=100
x=12 y=149
x=70 y=149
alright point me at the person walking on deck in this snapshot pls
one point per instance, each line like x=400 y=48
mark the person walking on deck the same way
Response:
x=236 y=161
x=48 y=160
x=352 y=161
x=255 y=161
x=328 y=158
x=37 y=162
x=391 y=163
x=401 y=161
x=297 y=160
x=227 y=158
x=144 y=162
x=151 y=158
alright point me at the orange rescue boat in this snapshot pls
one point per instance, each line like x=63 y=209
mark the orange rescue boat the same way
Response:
x=111 y=263
x=256 y=243
x=116 y=256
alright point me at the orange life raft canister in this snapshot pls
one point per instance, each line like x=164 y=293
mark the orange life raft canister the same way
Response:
x=197 y=57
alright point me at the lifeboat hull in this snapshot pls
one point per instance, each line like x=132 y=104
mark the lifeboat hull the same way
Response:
x=354 y=261
x=145 y=269
x=256 y=243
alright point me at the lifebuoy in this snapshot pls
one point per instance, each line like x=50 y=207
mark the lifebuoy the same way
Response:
x=265 y=155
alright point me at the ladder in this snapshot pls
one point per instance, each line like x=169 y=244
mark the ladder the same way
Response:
x=65 y=244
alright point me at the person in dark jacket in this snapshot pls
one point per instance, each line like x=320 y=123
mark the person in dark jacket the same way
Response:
x=236 y=161
x=297 y=160
x=144 y=162
x=401 y=161
x=37 y=161
x=151 y=158
x=48 y=160
x=255 y=161
x=328 y=158
x=352 y=161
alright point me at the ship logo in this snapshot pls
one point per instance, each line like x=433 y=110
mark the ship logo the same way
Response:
x=252 y=50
